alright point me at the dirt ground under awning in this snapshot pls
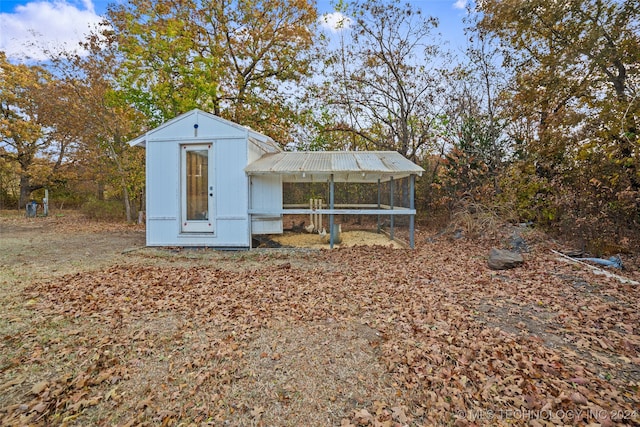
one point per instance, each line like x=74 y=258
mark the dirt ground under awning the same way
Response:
x=349 y=239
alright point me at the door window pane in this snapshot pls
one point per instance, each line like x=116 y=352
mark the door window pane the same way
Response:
x=197 y=185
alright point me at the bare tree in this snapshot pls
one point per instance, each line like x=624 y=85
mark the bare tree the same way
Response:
x=383 y=80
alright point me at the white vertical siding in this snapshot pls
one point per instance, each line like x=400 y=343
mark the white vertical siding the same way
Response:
x=266 y=194
x=163 y=182
x=232 y=151
x=163 y=193
x=231 y=197
x=230 y=183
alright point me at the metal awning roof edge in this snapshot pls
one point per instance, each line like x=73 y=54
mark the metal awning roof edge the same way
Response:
x=350 y=166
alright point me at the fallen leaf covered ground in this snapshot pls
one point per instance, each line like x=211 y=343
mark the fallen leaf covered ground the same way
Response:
x=351 y=337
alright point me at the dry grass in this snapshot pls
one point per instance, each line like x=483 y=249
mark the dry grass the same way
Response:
x=476 y=220
x=315 y=373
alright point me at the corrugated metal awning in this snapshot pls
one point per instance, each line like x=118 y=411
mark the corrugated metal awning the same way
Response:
x=346 y=166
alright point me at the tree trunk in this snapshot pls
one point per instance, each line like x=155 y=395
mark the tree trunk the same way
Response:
x=25 y=190
x=127 y=202
x=123 y=176
x=100 y=191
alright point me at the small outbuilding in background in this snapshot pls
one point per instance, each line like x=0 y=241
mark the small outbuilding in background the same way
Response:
x=211 y=182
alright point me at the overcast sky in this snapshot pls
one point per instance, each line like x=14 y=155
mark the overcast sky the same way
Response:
x=30 y=28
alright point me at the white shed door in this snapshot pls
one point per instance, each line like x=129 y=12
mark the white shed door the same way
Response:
x=197 y=196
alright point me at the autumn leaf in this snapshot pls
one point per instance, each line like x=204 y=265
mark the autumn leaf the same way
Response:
x=39 y=387
x=363 y=417
x=257 y=412
x=399 y=415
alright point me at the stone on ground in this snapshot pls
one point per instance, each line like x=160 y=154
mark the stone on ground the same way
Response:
x=500 y=259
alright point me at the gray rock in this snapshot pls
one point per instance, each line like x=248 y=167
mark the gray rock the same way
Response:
x=517 y=243
x=500 y=259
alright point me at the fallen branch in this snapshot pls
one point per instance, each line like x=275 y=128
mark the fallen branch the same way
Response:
x=596 y=270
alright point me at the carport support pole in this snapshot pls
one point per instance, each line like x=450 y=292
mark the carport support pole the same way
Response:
x=379 y=198
x=412 y=205
x=331 y=196
x=250 y=206
x=391 y=220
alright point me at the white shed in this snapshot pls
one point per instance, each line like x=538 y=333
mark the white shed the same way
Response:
x=197 y=190
x=211 y=182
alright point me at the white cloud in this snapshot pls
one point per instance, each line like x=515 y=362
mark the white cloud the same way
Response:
x=460 y=4
x=334 y=21
x=36 y=28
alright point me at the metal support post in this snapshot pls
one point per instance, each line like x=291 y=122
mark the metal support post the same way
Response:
x=331 y=206
x=412 y=205
x=392 y=217
x=379 y=198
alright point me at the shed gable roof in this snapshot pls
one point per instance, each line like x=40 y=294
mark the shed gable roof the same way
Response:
x=195 y=123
